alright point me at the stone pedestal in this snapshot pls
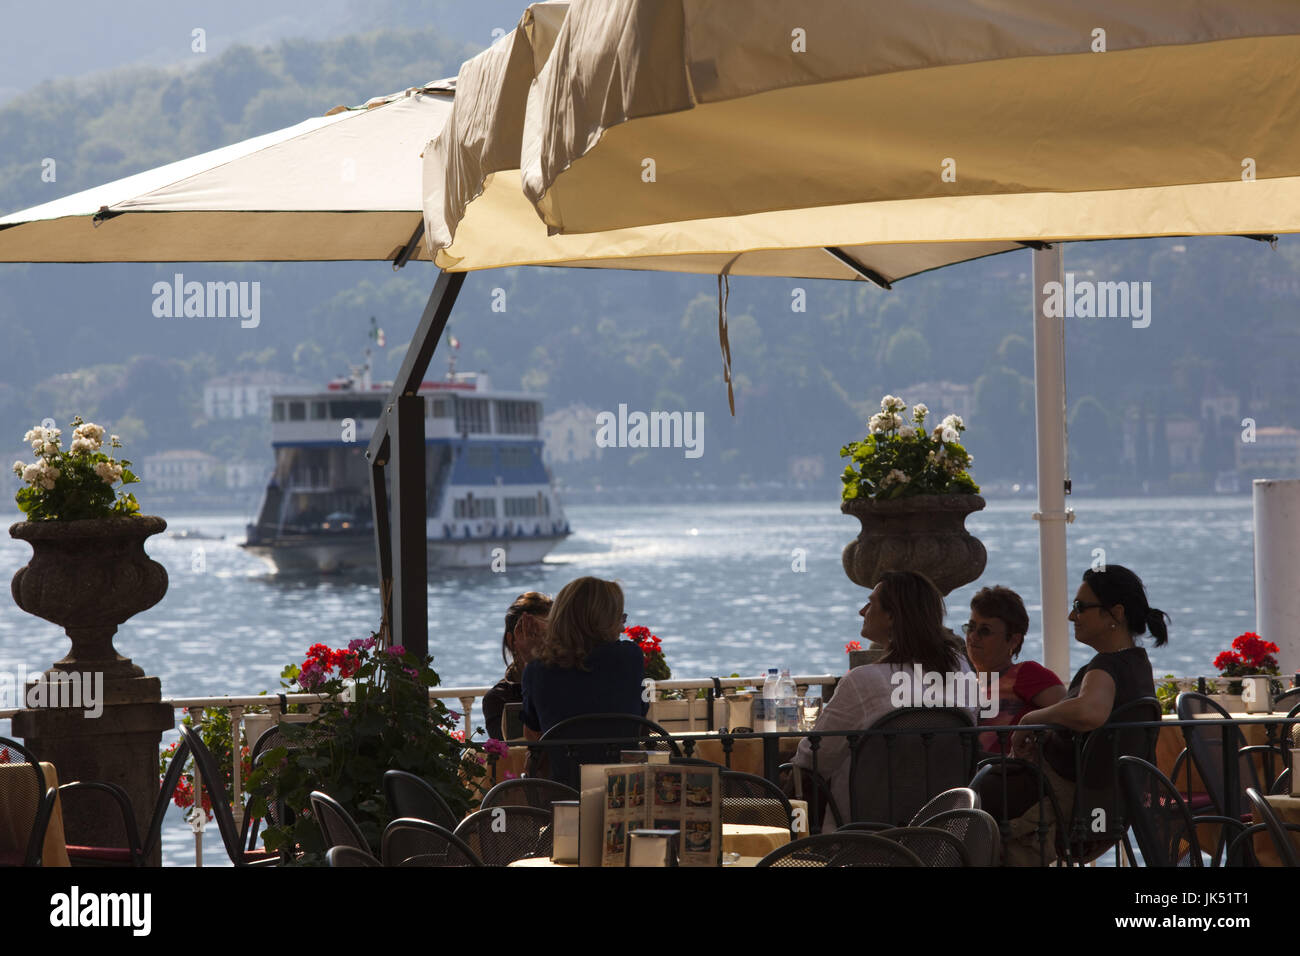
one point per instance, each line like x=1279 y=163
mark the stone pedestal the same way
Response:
x=119 y=746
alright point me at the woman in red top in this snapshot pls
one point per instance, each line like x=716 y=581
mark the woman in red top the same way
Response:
x=994 y=636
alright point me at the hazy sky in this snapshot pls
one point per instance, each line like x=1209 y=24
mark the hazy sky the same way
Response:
x=77 y=38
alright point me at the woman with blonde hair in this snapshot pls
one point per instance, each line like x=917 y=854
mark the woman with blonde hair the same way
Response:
x=583 y=667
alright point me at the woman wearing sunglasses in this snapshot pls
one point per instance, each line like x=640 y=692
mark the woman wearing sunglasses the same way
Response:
x=1109 y=613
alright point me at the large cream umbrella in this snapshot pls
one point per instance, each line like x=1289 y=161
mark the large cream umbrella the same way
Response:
x=777 y=126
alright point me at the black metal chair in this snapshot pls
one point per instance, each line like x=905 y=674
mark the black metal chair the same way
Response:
x=977 y=831
x=349 y=856
x=842 y=849
x=526 y=792
x=500 y=835
x=29 y=803
x=612 y=732
x=754 y=800
x=934 y=847
x=958 y=798
x=137 y=852
x=1161 y=819
x=1277 y=829
x=336 y=824
x=1287 y=703
x=277 y=814
x=212 y=783
x=1225 y=779
x=894 y=775
x=414 y=797
x=409 y=842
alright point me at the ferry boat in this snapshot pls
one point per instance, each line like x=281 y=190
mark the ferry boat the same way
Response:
x=490 y=498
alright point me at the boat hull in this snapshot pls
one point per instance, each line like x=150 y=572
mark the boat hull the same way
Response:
x=315 y=554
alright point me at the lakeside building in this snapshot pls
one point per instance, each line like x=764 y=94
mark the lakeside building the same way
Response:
x=183 y=469
x=569 y=435
x=245 y=394
x=1275 y=453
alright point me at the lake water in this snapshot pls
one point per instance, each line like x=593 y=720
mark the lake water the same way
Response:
x=714 y=582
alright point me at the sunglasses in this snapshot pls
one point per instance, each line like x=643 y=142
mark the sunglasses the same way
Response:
x=983 y=630
x=1078 y=607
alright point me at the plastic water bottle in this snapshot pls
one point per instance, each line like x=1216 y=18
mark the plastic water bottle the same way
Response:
x=765 y=722
x=787 y=703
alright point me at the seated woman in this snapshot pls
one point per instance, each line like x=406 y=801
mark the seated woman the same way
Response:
x=994 y=636
x=525 y=630
x=1110 y=612
x=583 y=667
x=905 y=615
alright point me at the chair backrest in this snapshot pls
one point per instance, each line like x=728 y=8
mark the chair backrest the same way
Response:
x=336 y=824
x=1281 y=838
x=1285 y=703
x=349 y=856
x=409 y=842
x=934 y=847
x=977 y=831
x=617 y=731
x=22 y=796
x=303 y=735
x=892 y=776
x=1098 y=786
x=842 y=848
x=212 y=782
x=1206 y=746
x=414 y=797
x=1161 y=821
x=754 y=800
x=170 y=779
x=500 y=835
x=958 y=798
x=527 y=792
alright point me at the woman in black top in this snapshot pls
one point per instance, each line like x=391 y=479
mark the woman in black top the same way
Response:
x=525 y=630
x=1110 y=612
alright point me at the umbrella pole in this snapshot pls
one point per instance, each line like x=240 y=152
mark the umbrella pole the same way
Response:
x=399 y=440
x=1049 y=414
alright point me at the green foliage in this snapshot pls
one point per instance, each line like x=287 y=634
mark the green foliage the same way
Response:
x=389 y=724
x=75 y=484
x=900 y=459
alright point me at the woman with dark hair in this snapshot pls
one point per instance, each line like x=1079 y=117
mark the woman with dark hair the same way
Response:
x=905 y=616
x=994 y=635
x=525 y=629
x=1110 y=612
x=582 y=666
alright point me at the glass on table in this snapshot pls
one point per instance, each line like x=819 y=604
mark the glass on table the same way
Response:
x=810 y=709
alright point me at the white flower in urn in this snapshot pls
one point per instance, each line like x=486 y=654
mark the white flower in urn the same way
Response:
x=954 y=422
x=907 y=431
x=84 y=446
x=950 y=434
x=919 y=412
x=877 y=424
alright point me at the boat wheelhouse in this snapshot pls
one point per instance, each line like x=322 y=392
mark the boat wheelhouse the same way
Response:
x=490 y=498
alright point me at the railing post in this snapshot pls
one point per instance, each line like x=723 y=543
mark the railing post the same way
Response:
x=237 y=765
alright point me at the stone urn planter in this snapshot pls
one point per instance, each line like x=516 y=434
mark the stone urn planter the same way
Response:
x=925 y=533
x=88 y=577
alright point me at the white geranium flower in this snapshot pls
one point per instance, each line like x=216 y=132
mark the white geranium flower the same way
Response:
x=107 y=472
x=950 y=434
x=90 y=430
x=33 y=434
x=954 y=422
x=114 y=440
x=18 y=468
x=877 y=424
x=919 y=412
x=49 y=449
x=898 y=477
x=907 y=431
x=31 y=474
x=51 y=434
x=887 y=403
x=86 y=445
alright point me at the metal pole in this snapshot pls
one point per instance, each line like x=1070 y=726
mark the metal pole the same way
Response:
x=1277 y=560
x=399 y=440
x=1049 y=414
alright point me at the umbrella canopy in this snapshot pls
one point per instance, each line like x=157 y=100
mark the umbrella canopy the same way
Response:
x=953 y=122
x=344 y=186
x=477 y=216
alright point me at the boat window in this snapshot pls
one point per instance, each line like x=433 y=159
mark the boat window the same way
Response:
x=516 y=418
x=319 y=411
x=480 y=456
x=521 y=507
x=277 y=412
x=473 y=415
x=516 y=457
x=438 y=408
x=297 y=411
x=356 y=408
